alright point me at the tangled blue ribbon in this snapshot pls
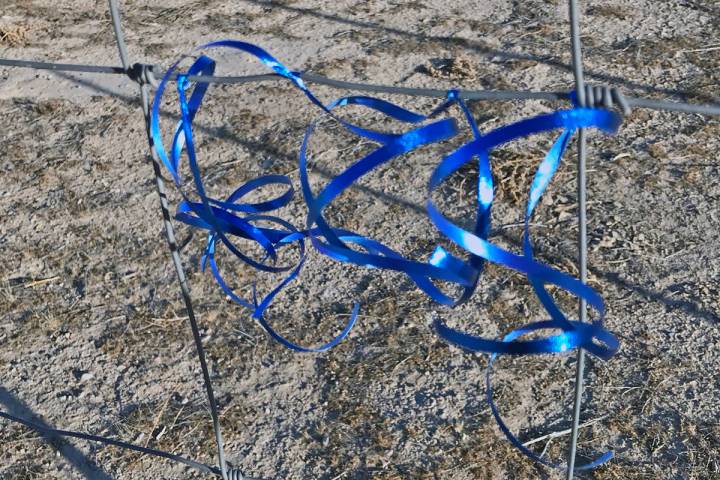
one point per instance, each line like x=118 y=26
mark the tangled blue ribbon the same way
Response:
x=233 y=218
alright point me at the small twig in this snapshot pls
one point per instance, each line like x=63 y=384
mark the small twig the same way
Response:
x=706 y=49
x=158 y=418
x=246 y=335
x=517 y=224
x=160 y=323
x=561 y=433
x=402 y=361
x=40 y=282
x=620 y=156
x=615 y=262
x=338 y=477
x=174 y=422
x=168 y=320
x=547 y=445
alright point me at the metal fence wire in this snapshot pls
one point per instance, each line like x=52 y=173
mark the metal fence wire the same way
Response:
x=144 y=75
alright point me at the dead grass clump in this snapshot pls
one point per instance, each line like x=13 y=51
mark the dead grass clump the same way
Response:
x=514 y=172
x=172 y=425
x=13 y=35
x=486 y=453
x=701 y=442
x=459 y=68
x=657 y=151
x=618 y=471
x=610 y=11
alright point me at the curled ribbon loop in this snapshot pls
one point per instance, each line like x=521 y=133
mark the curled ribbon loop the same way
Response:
x=538 y=273
x=510 y=337
x=231 y=217
x=222 y=218
x=574 y=334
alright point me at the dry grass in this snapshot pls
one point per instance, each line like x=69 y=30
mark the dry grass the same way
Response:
x=459 y=68
x=13 y=35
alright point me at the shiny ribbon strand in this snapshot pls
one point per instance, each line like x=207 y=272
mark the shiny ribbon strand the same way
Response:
x=225 y=218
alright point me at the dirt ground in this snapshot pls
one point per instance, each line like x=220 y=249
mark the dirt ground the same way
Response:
x=93 y=334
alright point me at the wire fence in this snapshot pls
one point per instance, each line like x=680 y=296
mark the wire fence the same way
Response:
x=145 y=76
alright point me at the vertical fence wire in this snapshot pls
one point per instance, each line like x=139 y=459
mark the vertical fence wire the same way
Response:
x=171 y=241
x=582 y=226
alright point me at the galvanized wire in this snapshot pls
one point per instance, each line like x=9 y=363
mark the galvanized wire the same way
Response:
x=487 y=95
x=170 y=236
x=582 y=226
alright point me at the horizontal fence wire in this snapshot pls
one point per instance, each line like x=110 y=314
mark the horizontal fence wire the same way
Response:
x=488 y=95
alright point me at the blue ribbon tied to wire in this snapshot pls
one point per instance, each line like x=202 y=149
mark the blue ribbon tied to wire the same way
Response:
x=232 y=217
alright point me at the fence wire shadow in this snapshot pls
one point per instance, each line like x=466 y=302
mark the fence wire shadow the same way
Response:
x=479 y=47
x=77 y=459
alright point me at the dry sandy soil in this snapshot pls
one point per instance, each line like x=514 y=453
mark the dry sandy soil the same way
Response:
x=93 y=335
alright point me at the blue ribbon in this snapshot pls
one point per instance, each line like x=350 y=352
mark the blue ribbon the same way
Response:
x=231 y=217
x=510 y=337
x=539 y=274
x=574 y=334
